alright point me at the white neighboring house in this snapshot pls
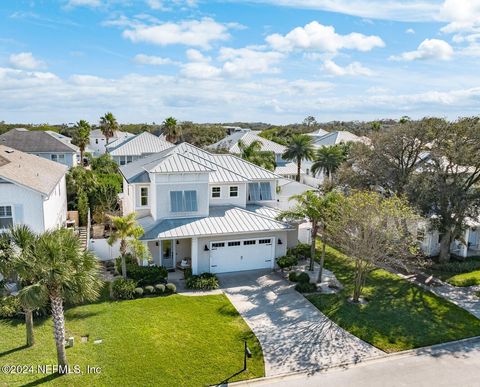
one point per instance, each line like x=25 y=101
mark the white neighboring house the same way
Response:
x=32 y=191
x=286 y=188
x=124 y=151
x=247 y=136
x=47 y=144
x=214 y=211
x=98 y=142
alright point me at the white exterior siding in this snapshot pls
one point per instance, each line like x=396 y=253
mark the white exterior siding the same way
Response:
x=55 y=206
x=225 y=198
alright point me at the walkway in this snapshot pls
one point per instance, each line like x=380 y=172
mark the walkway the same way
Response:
x=295 y=336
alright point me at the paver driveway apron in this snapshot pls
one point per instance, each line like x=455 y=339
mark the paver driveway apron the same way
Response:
x=295 y=336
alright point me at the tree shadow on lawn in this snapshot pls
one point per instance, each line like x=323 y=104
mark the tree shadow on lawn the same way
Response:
x=74 y=315
x=13 y=350
x=43 y=380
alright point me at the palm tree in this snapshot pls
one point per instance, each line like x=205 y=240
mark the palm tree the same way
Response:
x=108 y=126
x=328 y=159
x=64 y=272
x=18 y=262
x=299 y=148
x=82 y=137
x=316 y=209
x=171 y=129
x=125 y=228
x=253 y=153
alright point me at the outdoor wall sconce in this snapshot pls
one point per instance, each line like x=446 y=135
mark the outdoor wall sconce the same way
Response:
x=280 y=242
x=177 y=242
x=156 y=243
x=206 y=248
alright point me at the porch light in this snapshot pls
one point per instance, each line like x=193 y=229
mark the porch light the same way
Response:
x=206 y=248
x=280 y=242
x=177 y=242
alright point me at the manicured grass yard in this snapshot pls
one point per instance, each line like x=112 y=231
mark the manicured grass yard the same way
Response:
x=398 y=316
x=164 y=341
x=465 y=279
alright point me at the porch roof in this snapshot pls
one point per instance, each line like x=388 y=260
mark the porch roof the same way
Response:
x=222 y=220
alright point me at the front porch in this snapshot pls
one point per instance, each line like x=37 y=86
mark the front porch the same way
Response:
x=174 y=254
x=470 y=245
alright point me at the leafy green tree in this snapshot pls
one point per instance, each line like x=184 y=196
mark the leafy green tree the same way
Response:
x=253 y=153
x=328 y=159
x=82 y=207
x=64 y=272
x=310 y=121
x=108 y=126
x=370 y=229
x=81 y=137
x=299 y=148
x=17 y=261
x=317 y=209
x=171 y=129
x=125 y=228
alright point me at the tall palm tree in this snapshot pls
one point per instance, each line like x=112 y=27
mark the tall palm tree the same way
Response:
x=253 y=153
x=82 y=137
x=171 y=129
x=125 y=228
x=328 y=159
x=299 y=148
x=316 y=209
x=18 y=262
x=108 y=126
x=64 y=273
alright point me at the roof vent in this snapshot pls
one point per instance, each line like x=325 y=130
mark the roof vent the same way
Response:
x=9 y=151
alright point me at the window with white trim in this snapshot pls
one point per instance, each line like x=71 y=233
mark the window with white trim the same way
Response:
x=216 y=192
x=183 y=201
x=144 y=196
x=251 y=242
x=233 y=191
x=234 y=243
x=6 y=217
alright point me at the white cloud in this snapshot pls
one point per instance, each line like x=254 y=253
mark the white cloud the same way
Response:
x=155 y=4
x=25 y=60
x=428 y=49
x=196 y=56
x=462 y=15
x=84 y=3
x=242 y=62
x=410 y=31
x=317 y=37
x=352 y=69
x=197 y=33
x=200 y=70
x=152 y=60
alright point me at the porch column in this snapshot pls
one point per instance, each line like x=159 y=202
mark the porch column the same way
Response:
x=464 y=250
x=194 y=253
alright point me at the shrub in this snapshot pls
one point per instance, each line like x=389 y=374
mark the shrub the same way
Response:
x=187 y=273
x=149 y=289
x=9 y=307
x=301 y=250
x=144 y=275
x=160 y=288
x=456 y=267
x=171 y=288
x=303 y=278
x=305 y=287
x=293 y=276
x=205 y=281
x=287 y=261
x=123 y=289
x=138 y=292
x=129 y=260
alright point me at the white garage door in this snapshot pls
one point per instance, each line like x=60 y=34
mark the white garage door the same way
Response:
x=242 y=254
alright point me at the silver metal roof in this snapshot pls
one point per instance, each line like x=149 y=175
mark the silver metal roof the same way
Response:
x=231 y=142
x=287 y=169
x=221 y=221
x=337 y=137
x=143 y=143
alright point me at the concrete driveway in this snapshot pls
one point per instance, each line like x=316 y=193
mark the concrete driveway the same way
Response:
x=294 y=335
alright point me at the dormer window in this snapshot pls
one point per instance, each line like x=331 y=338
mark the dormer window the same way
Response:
x=216 y=192
x=234 y=192
x=144 y=196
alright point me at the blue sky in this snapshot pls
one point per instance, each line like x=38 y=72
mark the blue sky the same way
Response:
x=258 y=60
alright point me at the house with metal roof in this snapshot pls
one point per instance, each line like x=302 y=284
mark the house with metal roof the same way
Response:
x=32 y=191
x=47 y=144
x=211 y=212
x=98 y=143
x=126 y=150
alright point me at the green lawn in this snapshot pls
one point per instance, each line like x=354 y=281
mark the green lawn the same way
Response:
x=455 y=266
x=398 y=315
x=165 y=341
x=465 y=279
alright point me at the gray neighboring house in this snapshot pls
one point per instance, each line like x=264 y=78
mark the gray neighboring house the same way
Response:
x=47 y=144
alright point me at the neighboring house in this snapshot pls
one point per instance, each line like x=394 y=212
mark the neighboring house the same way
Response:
x=124 y=151
x=213 y=210
x=317 y=134
x=286 y=188
x=230 y=143
x=98 y=142
x=49 y=145
x=32 y=191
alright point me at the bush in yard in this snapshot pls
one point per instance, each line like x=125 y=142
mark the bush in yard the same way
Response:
x=287 y=261
x=303 y=278
x=205 y=281
x=146 y=275
x=9 y=307
x=171 y=288
x=160 y=288
x=305 y=287
x=301 y=250
x=293 y=276
x=149 y=289
x=138 y=292
x=123 y=289
x=187 y=273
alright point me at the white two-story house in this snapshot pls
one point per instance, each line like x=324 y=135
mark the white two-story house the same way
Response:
x=32 y=191
x=215 y=211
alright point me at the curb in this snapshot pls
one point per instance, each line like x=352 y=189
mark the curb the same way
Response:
x=372 y=360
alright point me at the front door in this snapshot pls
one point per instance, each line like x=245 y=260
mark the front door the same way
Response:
x=167 y=254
